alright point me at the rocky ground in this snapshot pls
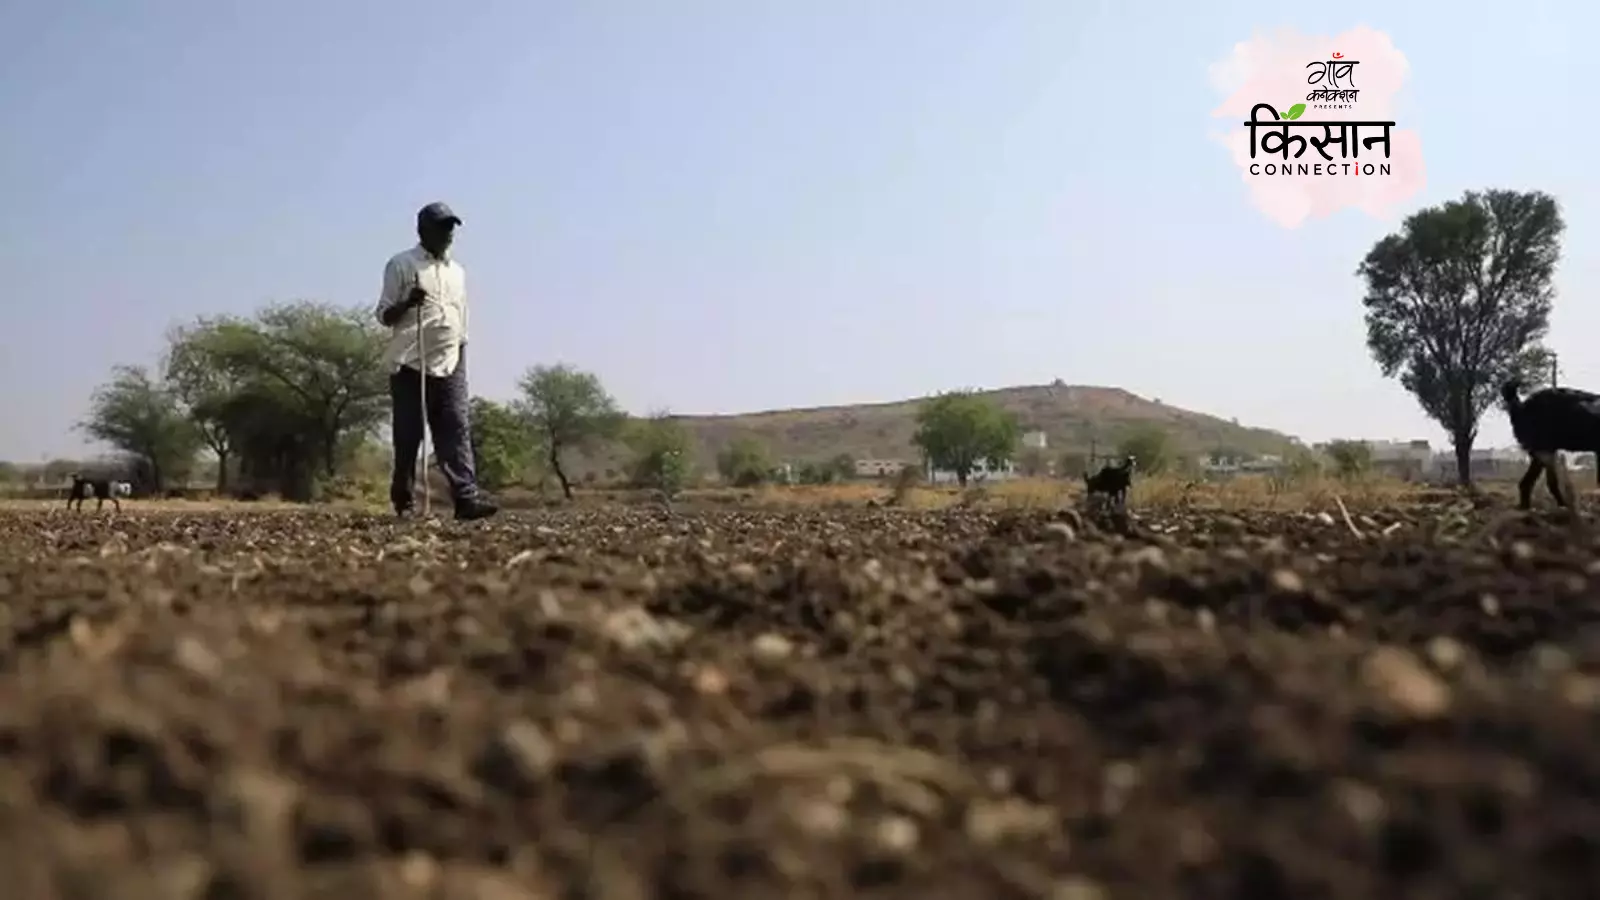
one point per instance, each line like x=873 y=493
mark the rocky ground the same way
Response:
x=632 y=704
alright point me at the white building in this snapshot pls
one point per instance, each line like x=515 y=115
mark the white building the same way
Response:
x=1036 y=440
x=878 y=468
x=982 y=472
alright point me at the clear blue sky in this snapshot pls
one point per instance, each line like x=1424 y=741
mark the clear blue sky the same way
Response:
x=724 y=205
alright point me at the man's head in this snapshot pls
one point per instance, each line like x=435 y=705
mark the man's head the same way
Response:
x=436 y=227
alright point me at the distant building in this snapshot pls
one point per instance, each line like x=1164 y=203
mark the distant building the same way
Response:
x=1036 y=440
x=1401 y=459
x=983 y=471
x=878 y=468
x=1220 y=465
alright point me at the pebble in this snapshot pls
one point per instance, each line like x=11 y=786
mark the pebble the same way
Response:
x=771 y=648
x=896 y=834
x=1407 y=684
x=1288 y=581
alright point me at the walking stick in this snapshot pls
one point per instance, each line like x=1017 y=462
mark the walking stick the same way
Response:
x=422 y=393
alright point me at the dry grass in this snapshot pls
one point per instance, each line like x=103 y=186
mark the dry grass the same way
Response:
x=1155 y=493
x=1243 y=493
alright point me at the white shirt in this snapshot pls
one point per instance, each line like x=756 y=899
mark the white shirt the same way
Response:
x=444 y=313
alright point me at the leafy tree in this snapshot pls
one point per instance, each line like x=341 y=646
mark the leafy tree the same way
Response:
x=1072 y=463
x=1301 y=463
x=568 y=410
x=661 y=453
x=1151 y=447
x=290 y=393
x=10 y=472
x=815 y=473
x=1033 y=462
x=840 y=468
x=1350 y=458
x=843 y=467
x=1459 y=301
x=57 y=470
x=136 y=414
x=503 y=444
x=205 y=388
x=744 y=462
x=958 y=430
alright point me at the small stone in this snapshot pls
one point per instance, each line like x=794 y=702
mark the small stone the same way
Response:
x=1078 y=887
x=197 y=658
x=771 y=648
x=1151 y=556
x=710 y=681
x=1490 y=604
x=1446 y=652
x=1582 y=691
x=1550 y=658
x=896 y=834
x=821 y=818
x=1407 y=684
x=993 y=822
x=520 y=756
x=1288 y=581
x=1061 y=531
x=1122 y=776
x=418 y=870
x=1360 y=802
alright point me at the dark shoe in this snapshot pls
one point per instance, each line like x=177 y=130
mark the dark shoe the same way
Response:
x=476 y=508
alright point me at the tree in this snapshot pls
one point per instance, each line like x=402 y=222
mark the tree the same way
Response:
x=843 y=467
x=661 y=453
x=503 y=445
x=958 y=430
x=1459 y=301
x=137 y=415
x=205 y=388
x=744 y=462
x=291 y=393
x=1072 y=463
x=10 y=472
x=568 y=410
x=1350 y=458
x=57 y=470
x=1151 y=448
x=1033 y=462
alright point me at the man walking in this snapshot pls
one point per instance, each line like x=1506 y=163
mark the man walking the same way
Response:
x=426 y=278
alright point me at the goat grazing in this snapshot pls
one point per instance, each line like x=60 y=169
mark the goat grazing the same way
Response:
x=1545 y=423
x=1111 y=481
x=102 y=489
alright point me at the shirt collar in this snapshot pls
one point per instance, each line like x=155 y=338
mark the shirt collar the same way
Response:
x=422 y=252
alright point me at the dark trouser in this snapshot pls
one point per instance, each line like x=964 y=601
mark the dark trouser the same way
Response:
x=449 y=424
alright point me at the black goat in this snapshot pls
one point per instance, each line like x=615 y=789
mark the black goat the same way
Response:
x=1545 y=423
x=1111 y=481
x=102 y=489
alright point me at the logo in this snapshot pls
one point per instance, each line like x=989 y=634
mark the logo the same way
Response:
x=1310 y=140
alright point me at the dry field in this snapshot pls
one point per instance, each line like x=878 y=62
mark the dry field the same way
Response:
x=1225 y=697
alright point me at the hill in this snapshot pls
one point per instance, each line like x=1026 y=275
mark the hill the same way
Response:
x=1072 y=416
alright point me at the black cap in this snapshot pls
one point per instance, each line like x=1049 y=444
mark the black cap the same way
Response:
x=437 y=212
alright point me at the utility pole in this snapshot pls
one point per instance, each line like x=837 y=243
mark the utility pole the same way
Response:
x=1554 y=368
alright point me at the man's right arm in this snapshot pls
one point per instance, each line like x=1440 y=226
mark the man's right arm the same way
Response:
x=392 y=301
